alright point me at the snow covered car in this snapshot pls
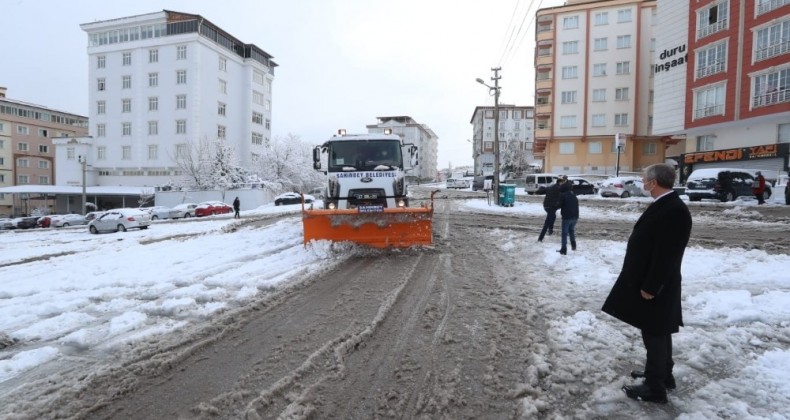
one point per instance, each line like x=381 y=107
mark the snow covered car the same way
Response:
x=184 y=210
x=157 y=212
x=459 y=183
x=120 y=220
x=623 y=187
x=292 y=198
x=92 y=215
x=582 y=186
x=68 y=220
x=210 y=208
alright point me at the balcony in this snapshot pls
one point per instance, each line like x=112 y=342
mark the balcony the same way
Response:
x=543 y=81
x=771 y=98
x=708 y=111
x=545 y=30
x=543 y=129
x=704 y=31
x=543 y=109
x=766 y=6
x=714 y=68
x=772 y=51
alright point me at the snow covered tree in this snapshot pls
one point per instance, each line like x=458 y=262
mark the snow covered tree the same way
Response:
x=515 y=159
x=287 y=165
x=209 y=165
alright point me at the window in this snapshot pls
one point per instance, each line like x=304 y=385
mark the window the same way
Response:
x=601 y=44
x=652 y=44
x=568 y=121
x=153 y=103
x=127 y=59
x=570 y=47
x=516 y=115
x=223 y=64
x=712 y=19
x=181 y=52
x=70 y=155
x=100 y=85
x=771 y=88
x=268 y=124
x=43 y=148
x=181 y=126
x=621 y=94
x=101 y=130
x=126 y=82
x=101 y=107
x=153 y=79
x=772 y=41
x=257 y=118
x=624 y=41
x=594 y=147
x=181 y=101
x=267 y=105
x=268 y=86
x=181 y=77
x=599 y=120
x=711 y=60
x=649 y=149
x=257 y=138
x=43 y=164
x=22 y=179
x=126 y=152
x=567 y=148
x=153 y=152
x=221 y=130
x=705 y=142
x=181 y=150
x=42 y=132
x=153 y=56
x=709 y=101
x=570 y=72
x=571 y=22
x=258 y=77
x=126 y=129
x=599 y=95
x=624 y=67
x=22 y=147
x=601 y=18
x=569 y=97
x=764 y=6
x=101 y=153
x=43 y=180
x=257 y=97
x=101 y=61
x=599 y=69
x=223 y=86
x=153 y=128
x=620 y=120
x=623 y=15
x=221 y=109
x=23 y=130
x=126 y=105
x=22 y=163
x=651 y=96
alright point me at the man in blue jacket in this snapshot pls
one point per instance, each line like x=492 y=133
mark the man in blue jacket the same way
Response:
x=646 y=294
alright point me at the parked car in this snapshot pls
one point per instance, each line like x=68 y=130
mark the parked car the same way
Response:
x=24 y=222
x=784 y=181
x=459 y=183
x=210 y=208
x=92 y=215
x=69 y=220
x=6 y=224
x=292 y=198
x=723 y=184
x=581 y=186
x=120 y=220
x=318 y=192
x=537 y=183
x=157 y=212
x=478 y=183
x=623 y=187
x=45 y=221
x=185 y=210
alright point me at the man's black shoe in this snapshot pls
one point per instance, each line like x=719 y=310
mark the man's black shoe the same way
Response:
x=669 y=383
x=644 y=393
x=563 y=251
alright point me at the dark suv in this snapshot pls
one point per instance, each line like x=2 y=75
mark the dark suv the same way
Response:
x=722 y=184
x=479 y=182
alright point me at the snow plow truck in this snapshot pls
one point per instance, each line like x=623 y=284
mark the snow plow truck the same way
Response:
x=366 y=198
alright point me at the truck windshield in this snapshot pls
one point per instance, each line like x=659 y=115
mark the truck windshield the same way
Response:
x=365 y=155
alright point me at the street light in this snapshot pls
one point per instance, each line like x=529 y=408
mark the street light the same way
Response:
x=495 y=89
x=84 y=197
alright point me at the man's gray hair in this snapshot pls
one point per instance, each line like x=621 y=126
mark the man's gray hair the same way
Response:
x=662 y=173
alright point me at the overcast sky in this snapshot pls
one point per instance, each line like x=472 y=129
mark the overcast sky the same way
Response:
x=342 y=63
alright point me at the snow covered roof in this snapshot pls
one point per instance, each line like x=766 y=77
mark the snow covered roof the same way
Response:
x=67 y=189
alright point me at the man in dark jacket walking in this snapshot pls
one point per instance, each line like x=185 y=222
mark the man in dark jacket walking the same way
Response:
x=569 y=210
x=646 y=294
x=551 y=204
x=758 y=188
x=236 y=207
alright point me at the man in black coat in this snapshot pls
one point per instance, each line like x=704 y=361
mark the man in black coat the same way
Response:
x=569 y=210
x=550 y=205
x=236 y=208
x=647 y=292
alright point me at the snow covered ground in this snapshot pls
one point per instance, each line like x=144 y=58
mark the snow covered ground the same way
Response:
x=66 y=292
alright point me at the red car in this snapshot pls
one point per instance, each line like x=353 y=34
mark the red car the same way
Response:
x=210 y=208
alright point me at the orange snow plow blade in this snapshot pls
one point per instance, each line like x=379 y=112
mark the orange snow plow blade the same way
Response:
x=389 y=228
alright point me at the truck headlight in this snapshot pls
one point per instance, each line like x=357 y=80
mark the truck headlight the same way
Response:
x=401 y=203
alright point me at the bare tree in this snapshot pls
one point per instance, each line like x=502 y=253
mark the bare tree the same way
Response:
x=287 y=162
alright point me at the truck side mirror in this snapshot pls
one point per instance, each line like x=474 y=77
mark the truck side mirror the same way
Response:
x=317 y=158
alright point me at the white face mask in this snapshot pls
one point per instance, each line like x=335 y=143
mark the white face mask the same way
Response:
x=645 y=188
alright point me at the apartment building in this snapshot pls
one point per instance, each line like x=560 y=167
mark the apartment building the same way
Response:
x=732 y=97
x=162 y=82
x=27 y=154
x=516 y=139
x=594 y=80
x=420 y=135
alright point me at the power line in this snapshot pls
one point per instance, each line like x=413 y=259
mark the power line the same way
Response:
x=517 y=46
x=507 y=39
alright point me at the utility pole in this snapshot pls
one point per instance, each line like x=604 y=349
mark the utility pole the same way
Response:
x=495 y=89
x=84 y=197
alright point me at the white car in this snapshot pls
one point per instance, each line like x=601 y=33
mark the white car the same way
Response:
x=459 y=183
x=184 y=210
x=157 y=212
x=120 y=220
x=623 y=187
x=68 y=220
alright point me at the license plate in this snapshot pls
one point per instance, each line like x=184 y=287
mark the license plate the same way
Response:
x=371 y=209
x=367 y=196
